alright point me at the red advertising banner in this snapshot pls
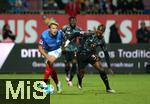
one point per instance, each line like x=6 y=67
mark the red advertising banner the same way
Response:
x=28 y=27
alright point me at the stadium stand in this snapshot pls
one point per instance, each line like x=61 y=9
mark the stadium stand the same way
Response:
x=81 y=6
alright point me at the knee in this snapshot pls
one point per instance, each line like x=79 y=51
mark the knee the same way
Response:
x=81 y=73
x=50 y=62
x=74 y=61
x=102 y=72
x=67 y=64
x=48 y=70
x=101 y=69
x=53 y=73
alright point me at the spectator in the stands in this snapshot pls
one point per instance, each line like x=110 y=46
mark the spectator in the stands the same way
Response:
x=18 y=6
x=138 y=5
x=63 y=2
x=143 y=34
x=8 y=36
x=110 y=7
x=50 y=5
x=4 y=6
x=73 y=7
x=114 y=34
x=86 y=6
x=122 y=4
x=102 y=4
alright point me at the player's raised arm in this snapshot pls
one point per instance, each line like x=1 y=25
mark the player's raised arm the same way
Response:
x=76 y=34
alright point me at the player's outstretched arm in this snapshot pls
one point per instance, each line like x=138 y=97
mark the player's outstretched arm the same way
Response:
x=73 y=35
x=107 y=57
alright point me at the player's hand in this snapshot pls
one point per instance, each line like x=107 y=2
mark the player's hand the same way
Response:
x=93 y=45
x=109 y=71
x=63 y=50
x=82 y=32
x=66 y=43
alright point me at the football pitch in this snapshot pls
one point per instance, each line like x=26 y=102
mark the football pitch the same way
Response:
x=130 y=89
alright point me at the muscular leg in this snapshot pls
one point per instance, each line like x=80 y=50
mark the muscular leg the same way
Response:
x=67 y=68
x=54 y=74
x=82 y=62
x=73 y=69
x=54 y=77
x=49 y=71
x=102 y=73
x=80 y=76
x=67 y=65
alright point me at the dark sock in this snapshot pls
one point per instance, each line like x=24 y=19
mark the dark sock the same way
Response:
x=71 y=77
x=67 y=68
x=79 y=80
x=73 y=71
x=104 y=77
x=54 y=77
x=45 y=80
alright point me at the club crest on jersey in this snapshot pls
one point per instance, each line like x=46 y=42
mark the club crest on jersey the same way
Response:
x=41 y=41
x=58 y=41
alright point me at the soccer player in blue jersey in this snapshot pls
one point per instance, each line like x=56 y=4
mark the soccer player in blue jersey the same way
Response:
x=50 y=47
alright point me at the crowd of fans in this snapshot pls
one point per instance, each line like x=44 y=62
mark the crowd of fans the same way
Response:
x=17 y=6
x=74 y=7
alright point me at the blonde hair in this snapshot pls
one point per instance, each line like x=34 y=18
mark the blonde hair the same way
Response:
x=52 y=21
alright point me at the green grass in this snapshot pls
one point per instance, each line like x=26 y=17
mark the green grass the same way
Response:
x=130 y=89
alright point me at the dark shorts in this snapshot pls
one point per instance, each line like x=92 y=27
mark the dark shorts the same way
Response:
x=85 y=59
x=69 y=56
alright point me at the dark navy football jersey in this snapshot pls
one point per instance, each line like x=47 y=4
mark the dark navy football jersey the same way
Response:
x=68 y=31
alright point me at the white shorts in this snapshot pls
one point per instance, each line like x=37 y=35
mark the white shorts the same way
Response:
x=56 y=53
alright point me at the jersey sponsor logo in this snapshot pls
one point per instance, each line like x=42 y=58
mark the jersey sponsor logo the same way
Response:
x=58 y=41
x=41 y=42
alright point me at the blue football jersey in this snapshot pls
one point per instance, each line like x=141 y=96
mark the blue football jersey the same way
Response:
x=49 y=42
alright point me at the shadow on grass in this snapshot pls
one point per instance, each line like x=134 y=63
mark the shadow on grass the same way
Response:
x=91 y=92
x=68 y=93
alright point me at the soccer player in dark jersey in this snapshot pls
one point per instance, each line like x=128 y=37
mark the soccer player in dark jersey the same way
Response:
x=87 y=54
x=71 y=50
x=50 y=47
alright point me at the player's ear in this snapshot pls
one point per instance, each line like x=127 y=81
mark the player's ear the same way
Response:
x=101 y=28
